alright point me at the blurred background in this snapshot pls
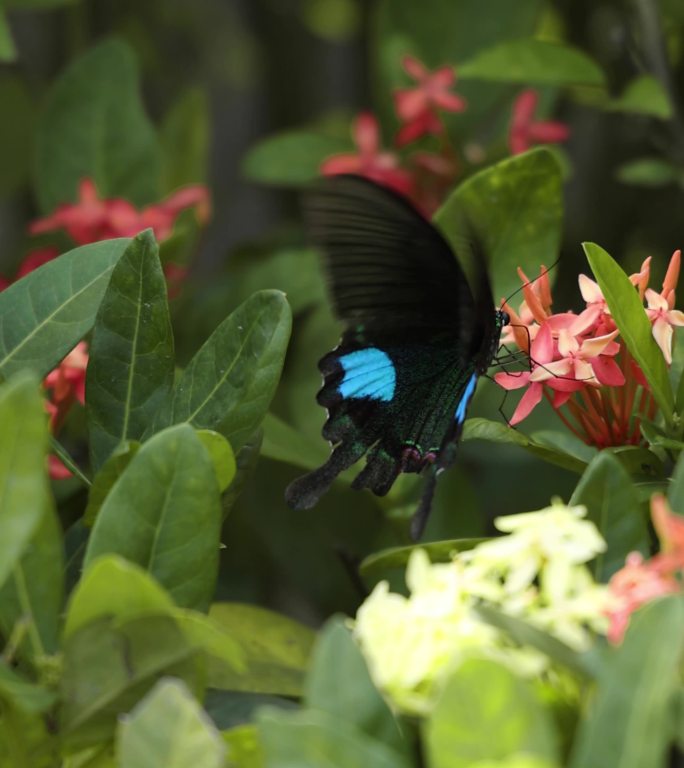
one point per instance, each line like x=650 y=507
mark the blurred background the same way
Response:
x=227 y=84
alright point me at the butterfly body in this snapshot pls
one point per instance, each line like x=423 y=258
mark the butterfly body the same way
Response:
x=398 y=385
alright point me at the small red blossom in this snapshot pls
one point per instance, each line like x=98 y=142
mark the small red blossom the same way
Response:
x=92 y=219
x=56 y=469
x=65 y=384
x=525 y=131
x=370 y=160
x=417 y=107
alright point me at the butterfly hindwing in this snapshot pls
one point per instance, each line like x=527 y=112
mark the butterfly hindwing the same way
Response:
x=416 y=339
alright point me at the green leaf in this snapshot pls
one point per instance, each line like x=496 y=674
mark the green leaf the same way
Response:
x=526 y=634
x=163 y=513
x=34 y=590
x=229 y=383
x=635 y=329
x=222 y=650
x=221 y=455
x=338 y=683
x=276 y=650
x=496 y=432
x=613 y=504
x=27 y=696
x=645 y=96
x=531 y=61
x=131 y=365
x=184 y=136
x=109 y=473
x=291 y=159
x=487 y=713
x=24 y=496
x=314 y=738
x=44 y=315
x=516 y=208
x=648 y=172
x=108 y=668
x=387 y=562
x=243 y=746
x=675 y=493
x=113 y=587
x=627 y=724
x=94 y=126
x=168 y=729
x=8 y=51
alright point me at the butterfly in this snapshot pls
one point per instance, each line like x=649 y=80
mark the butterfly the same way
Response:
x=416 y=339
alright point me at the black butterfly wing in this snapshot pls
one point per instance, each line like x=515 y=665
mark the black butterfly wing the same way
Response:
x=397 y=386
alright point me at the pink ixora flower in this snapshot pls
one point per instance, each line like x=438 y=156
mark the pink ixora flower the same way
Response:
x=577 y=362
x=370 y=160
x=65 y=384
x=660 y=308
x=417 y=107
x=641 y=581
x=525 y=131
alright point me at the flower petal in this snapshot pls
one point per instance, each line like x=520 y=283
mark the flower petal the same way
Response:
x=527 y=403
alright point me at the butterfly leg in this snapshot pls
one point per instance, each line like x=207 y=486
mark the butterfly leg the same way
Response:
x=305 y=491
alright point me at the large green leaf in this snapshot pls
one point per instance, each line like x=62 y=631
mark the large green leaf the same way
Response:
x=109 y=666
x=494 y=431
x=315 y=738
x=516 y=207
x=628 y=722
x=338 y=683
x=645 y=96
x=485 y=713
x=24 y=497
x=168 y=729
x=164 y=514
x=635 y=329
x=528 y=61
x=613 y=505
x=44 y=315
x=131 y=365
x=94 y=126
x=113 y=587
x=34 y=590
x=229 y=383
x=276 y=650
x=291 y=159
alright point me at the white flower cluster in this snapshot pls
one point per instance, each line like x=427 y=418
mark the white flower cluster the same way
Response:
x=537 y=572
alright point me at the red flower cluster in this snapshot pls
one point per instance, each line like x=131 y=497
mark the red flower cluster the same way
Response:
x=87 y=221
x=424 y=176
x=577 y=362
x=641 y=581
